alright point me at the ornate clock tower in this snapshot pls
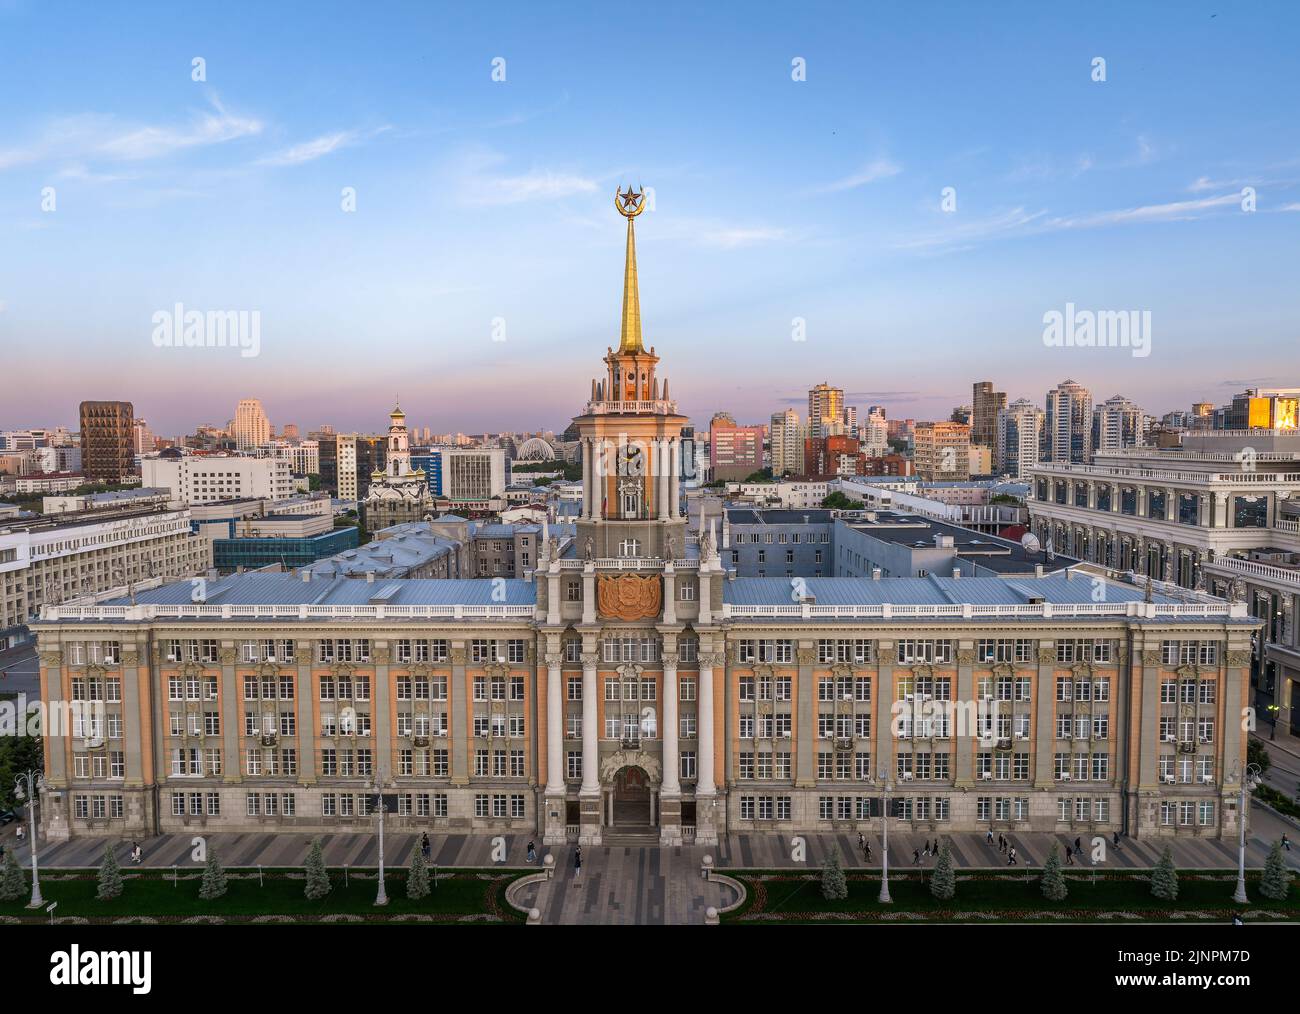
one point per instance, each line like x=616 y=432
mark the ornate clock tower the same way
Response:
x=631 y=440
x=634 y=596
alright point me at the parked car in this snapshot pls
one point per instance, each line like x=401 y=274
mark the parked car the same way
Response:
x=8 y=817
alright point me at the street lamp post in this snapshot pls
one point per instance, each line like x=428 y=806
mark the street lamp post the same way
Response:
x=381 y=897
x=1248 y=779
x=30 y=784
x=885 y=899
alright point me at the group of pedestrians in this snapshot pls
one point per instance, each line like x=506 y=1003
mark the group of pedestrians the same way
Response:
x=1004 y=846
x=925 y=852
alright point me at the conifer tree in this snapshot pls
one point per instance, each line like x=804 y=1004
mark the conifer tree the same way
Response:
x=214 y=878
x=417 y=881
x=1164 y=878
x=1276 y=882
x=13 y=884
x=110 y=877
x=318 y=880
x=1053 y=880
x=943 y=884
x=834 y=886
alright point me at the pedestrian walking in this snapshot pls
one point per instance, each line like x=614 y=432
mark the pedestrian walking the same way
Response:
x=1078 y=845
x=866 y=847
x=988 y=837
x=136 y=853
x=532 y=851
x=22 y=832
x=916 y=857
x=425 y=848
x=577 y=865
x=1286 y=843
x=862 y=841
x=1011 y=856
x=1115 y=841
x=1069 y=856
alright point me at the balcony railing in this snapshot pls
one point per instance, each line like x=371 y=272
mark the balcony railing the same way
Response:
x=637 y=407
x=287 y=612
x=885 y=611
x=1167 y=475
x=629 y=563
x=1254 y=569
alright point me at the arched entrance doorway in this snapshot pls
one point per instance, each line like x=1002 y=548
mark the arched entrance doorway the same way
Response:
x=632 y=804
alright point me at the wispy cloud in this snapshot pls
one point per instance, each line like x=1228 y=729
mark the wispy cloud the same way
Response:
x=318 y=147
x=214 y=127
x=879 y=169
x=1019 y=222
x=81 y=174
x=92 y=136
x=733 y=237
x=531 y=186
x=1168 y=212
x=964 y=234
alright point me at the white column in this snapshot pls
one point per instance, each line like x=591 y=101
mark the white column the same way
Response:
x=704 y=786
x=672 y=785
x=588 y=477
x=554 y=726
x=662 y=475
x=674 y=494
x=590 y=733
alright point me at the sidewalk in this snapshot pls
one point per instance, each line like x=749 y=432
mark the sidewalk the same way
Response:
x=737 y=851
x=1285 y=740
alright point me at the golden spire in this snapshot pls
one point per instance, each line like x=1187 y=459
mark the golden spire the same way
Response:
x=629 y=205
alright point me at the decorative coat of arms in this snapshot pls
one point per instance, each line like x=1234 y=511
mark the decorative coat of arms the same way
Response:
x=629 y=596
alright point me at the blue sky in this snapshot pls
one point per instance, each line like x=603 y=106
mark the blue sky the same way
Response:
x=775 y=200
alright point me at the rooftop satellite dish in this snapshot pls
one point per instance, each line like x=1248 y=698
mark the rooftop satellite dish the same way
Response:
x=1029 y=542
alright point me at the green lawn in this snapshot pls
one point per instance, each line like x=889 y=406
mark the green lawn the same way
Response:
x=155 y=895
x=797 y=898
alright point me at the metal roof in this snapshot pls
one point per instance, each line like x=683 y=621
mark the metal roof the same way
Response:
x=1055 y=589
x=292 y=590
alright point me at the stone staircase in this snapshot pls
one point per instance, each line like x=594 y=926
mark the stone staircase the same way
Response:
x=630 y=837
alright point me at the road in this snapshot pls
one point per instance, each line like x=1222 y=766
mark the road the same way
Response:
x=19 y=672
x=1284 y=773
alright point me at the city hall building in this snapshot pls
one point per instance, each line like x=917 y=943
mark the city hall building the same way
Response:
x=634 y=686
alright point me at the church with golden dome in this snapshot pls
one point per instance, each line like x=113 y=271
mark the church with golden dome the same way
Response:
x=398 y=493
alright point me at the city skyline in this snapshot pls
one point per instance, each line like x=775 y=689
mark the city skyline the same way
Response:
x=480 y=208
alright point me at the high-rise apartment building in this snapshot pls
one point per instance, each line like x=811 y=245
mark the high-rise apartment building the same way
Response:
x=1116 y=424
x=942 y=451
x=786 y=436
x=142 y=439
x=825 y=410
x=107 y=440
x=1069 y=423
x=251 y=426
x=985 y=405
x=1019 y=437
x=874 y=433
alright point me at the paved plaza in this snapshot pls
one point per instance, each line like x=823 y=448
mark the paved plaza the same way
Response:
x=648 y=885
